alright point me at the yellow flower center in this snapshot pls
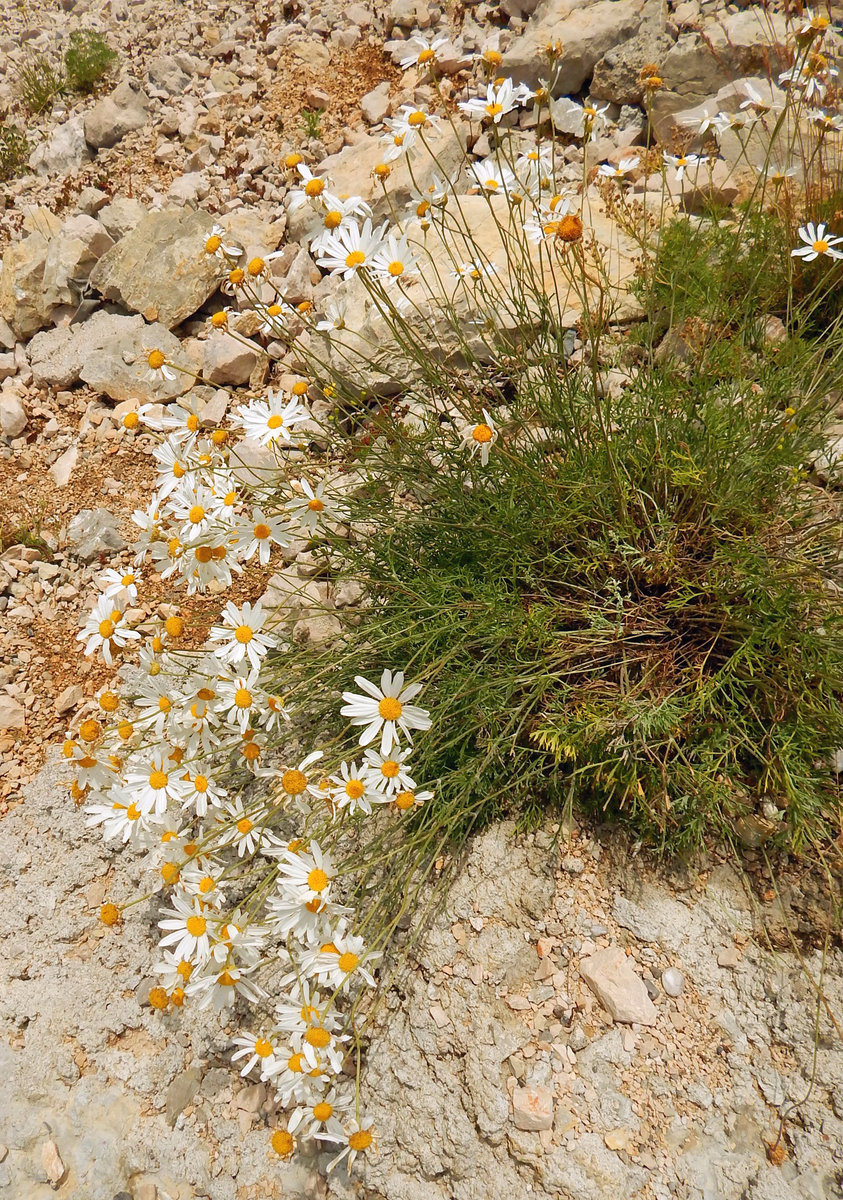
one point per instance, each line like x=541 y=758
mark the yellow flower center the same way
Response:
x=332 y=219
x=244 y=825
x=219 y=320
x=405 y=800
x=348 y=962
x=315 y=505
x=314 y=187
x=317 y=880
x=323 y=1110
x=200 y=783
x=196 y=926
x=243 y=634
x=417 y=118
x=256 y=266
x=354 y=789
x=133 y=812
x=224 y=979
x=294 y=1063
x=820 y=246
x=185 y=969
x=355 y=258
x=174 y=626
x=106 y=628
x=213 y=243
x=491 y=184
x=494 y=109
x=196 y=514
x=125 y=730
x=263 y=1048
x=108 y=702
x=390 y=768
x=275 y=421
x=158 y=998
x=236 y=276
x=425 y=56
x=131 y=420
x=482 y=433
x=318 y=1038
x=164 y=704
x=203 y=554
x=206 y=885
x=169 y=872
x=294 y=782
x=361 y=1139
x=157 y=780
x=282 y=1142
x=396 y=268
x=243 y=698
x=155 y=360
x=292 y=160
x=390 y=708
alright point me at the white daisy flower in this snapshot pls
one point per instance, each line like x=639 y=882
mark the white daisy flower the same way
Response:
x=420 y=51
x=351 y=248
x=480 y=437
x=257 y=1050
x=385 y=710
x=186 y=929
x=394 y=259
x=607 y=171
x=358 y=1138
x=306 y=873
x=817 y=242
x=501 y=98
x=296 y=783
x=122 y=584
x=492 y=177
x=105 y=629
x=240 y=637
x=320 y=1117
x=389 y=771
x=271 y=420
x=345 y=964
x=246 y=835
x=683 y=162
x=353 y=788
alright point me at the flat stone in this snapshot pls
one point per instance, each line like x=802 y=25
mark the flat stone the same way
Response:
x=180 y=1093
x=621 y=992
x=228 y=360
x=69 y=699
x=22 y=286
x=108 y=352
x=532 y=1108
x=64 y=151
x=54 y=1168
x=64 y=466
x=160 y=268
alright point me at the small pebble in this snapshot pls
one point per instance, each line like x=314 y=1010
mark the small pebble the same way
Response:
x=673 y=981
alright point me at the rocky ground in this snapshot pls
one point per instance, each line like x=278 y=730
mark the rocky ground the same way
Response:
x=536 y=1048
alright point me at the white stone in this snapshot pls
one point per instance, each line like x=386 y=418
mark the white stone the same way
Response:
x=532 y=1108
x=64 y=466
x=12 y=714
x=12 y=414
x=673 y=981
x=617 y=987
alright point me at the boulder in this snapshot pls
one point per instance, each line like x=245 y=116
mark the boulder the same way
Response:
x=71 y=256
x=586 y=30
x=64 y=151
x=160 y=268
x=120 y=216
x=22 y=300
x=109 y=353
x=111 y=118
x=375 y=104
x=751 y=42
x=350 y=173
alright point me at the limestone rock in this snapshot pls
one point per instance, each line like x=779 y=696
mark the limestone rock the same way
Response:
x=12 y=714
x=617 y=987
x=54 y=1168
x=166 y=75
x=180 y=1093
x=351 y=173
x=586 y=32
x=375 y=104
x=12 y=413
x=92 y=532
x=109 y=352
x=71 y=256
x=121 y=216
x=111 y=118
x=64 y=151
x=64 y=466
x=228 y=360
x=532 y=1108
x=70 y=698
x=22 y=286
x=160 y=268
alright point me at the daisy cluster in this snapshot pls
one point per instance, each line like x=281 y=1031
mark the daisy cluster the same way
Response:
x=195 y=765
x=190 y=769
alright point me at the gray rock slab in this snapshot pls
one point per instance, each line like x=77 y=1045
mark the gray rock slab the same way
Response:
x=160 y=268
